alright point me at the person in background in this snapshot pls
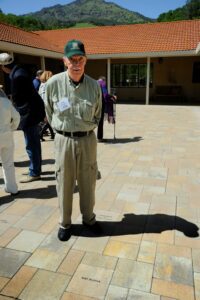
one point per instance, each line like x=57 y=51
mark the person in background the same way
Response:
x=30 y=106
x=73 y=108
x=45 y=125
x=9 y=121
x=36 y=80
x=107 y=107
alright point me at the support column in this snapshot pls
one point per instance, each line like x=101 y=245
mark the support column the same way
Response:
x=148 y=80
x=108 y=75
x=42 y=62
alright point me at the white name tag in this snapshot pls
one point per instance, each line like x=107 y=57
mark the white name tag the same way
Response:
x=64 y=104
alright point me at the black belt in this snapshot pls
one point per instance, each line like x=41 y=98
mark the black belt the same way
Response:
x=75 y=134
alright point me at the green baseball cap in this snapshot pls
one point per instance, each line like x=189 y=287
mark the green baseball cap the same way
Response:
x=74 y=47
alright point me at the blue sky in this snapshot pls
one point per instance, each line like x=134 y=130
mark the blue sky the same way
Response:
x=148 y=8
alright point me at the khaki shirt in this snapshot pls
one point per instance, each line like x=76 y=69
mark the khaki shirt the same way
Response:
x=83 y=111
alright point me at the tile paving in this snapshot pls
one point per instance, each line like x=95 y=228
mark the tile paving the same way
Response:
x=147 y=202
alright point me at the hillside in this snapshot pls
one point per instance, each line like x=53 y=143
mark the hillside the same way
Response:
x=97 y=12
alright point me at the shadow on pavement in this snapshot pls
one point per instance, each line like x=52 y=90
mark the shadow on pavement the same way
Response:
x=122 y=140
x=26 y=163
x=137 y=224
x=38 y=193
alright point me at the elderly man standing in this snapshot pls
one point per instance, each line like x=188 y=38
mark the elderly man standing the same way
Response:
x=73 y=107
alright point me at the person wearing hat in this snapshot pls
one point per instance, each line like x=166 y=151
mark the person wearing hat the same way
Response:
x=30 y=106
x=9 y=121
x=73 y=108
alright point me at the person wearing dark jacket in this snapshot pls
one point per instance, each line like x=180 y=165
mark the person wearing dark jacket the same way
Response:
x=30 y=106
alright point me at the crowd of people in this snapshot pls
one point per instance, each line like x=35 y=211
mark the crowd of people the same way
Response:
x=71 y=105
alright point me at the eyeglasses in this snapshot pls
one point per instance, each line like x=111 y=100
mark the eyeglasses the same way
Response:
x=77 y=61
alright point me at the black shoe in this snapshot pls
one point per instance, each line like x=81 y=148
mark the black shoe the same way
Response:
x=95 y=228
x=64 y=234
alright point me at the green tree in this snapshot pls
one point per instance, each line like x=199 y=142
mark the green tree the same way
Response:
x=193 y=9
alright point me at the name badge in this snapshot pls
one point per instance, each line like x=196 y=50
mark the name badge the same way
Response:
x=64 y=104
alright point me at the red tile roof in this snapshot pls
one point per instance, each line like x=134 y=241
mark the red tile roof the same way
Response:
x=136 y=38
x=14 y=35
x=112 y=40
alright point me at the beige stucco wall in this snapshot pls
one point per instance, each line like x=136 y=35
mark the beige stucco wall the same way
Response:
x=166 y=71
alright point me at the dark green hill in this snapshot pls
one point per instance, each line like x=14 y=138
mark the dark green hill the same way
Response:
x=97 y=12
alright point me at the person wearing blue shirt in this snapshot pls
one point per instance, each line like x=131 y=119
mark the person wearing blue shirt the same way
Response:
x=36 y=80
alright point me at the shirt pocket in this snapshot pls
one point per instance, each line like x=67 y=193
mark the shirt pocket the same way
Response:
x=86 y=110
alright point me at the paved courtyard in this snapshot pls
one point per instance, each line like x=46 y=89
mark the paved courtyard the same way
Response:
x=148 y=203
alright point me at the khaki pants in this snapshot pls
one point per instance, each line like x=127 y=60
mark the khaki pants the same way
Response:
x=75 y=159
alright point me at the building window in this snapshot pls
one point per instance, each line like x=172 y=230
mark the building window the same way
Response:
x=196 y=72
x=130 y=75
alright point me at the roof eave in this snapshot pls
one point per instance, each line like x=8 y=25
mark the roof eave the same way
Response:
x=143 y=54
x=4 y=46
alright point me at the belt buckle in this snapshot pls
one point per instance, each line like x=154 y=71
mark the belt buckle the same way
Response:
x=71 y=134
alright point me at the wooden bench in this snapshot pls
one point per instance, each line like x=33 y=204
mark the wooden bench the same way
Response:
x=169 y=94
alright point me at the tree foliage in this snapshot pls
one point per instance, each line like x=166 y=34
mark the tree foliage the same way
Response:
x=190 y=11
x=27 y=23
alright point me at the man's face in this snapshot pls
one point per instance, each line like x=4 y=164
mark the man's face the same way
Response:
x=76 y=66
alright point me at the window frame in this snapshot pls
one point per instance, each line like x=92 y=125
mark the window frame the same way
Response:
x=123 y=75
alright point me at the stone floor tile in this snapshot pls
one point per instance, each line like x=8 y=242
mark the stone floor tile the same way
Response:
x=196 y=260
x=181 y=240
x=90 y=281
x=92 y=244
x=137 y=295
x=98 y=260
x=116 y=292
x=29 y=223
x=154 y=189
x=172 y=290
x=19 y=208
x=26 y=241
x=45 y=285
x=4 y=297
x=71 y=262
x=174 y=250
x=35 y=217
x=8 y=218
x=50 y=254
x=19 y=281
x=3 y=282
x=173 y=268
x=197 y=285
x=121 y=249
x=162 y=237
x=71 y=296
x=50 y=224
x=8 y=236
x=133 y=274
x=11 y=261
x=167 y=298
x=147 y=252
